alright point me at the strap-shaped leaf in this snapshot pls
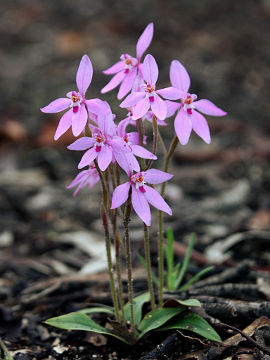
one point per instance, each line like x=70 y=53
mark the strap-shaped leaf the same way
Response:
x=156 y=318
x=80 y=321
x=95 y=310
x=138 y=303
x=176 y=303
x=192 y=322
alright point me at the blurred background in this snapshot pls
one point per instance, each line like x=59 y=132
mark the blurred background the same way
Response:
x=218 y=190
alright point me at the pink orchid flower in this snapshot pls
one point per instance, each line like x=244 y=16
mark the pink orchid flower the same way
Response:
x=105 y=146
x=128 y=68
x=86 y=177
x=77 y=116
x=132 y=141
x=187 y=117
x=142 y=195
x=148 y=96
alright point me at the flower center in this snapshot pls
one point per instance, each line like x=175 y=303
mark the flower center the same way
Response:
x=130 y=113
x=137 y=179
x=75 y=98
x=150 y=88
x=129 y=62
x=76 y=101
x=126 y=139
x=99 y=143
x=188 y=100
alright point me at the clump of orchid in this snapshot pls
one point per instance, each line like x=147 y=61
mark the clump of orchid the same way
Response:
x=117 y=157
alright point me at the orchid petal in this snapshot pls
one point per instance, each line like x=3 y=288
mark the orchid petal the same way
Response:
x=127 y=83
x=140 y=205
x=172 y=107
x=80 y=180
x=156 y=200
x=134 y=138
x=121 y=128
x=77 y=179
x=144 y=40
x=200 y=126
x=171 y=93
x=150 y=70
x=81 y=185
x=124 y=157
x=132 y=99
x=183 y=126
x=119 y=66
x=137 y=85
x=120 y=195
x=82 y=143
x=141 y=108
x=64 y=124
x=104 y=157
x=57 y=106
x=114 y=82
x=79 y=120
x=142 y=152
x=179 y=76
x=106 y=124
x=96 y=106
x=208 y=108
x=159 y=108
x=84 y=74
x=155 y=176
x=88 y=157
x=132 y=161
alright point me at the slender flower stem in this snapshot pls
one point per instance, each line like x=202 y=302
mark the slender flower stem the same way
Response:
x=112 y=176
x=117 y=242
x=155 y=140
x=148 y=264
x=168 y=157
x=104 y=216
x=109 y=260
x=140 y=129
x=160 y=258
x=117 y=171
x=103 y=185
x=162 y=143
x=160 y=222
x=118 y=266
x=128 y=260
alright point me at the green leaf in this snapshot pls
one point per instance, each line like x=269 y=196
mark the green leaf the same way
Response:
x=94 y=310
x=186 y=260
x=176 y=303
x=156 y=318
x=192 y=322
x=138 y=303
x=175 y=275
x=195 y=278
x=79 y=321
x=169 y=258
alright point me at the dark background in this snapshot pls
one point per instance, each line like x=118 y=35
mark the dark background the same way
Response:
x=223 y=44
